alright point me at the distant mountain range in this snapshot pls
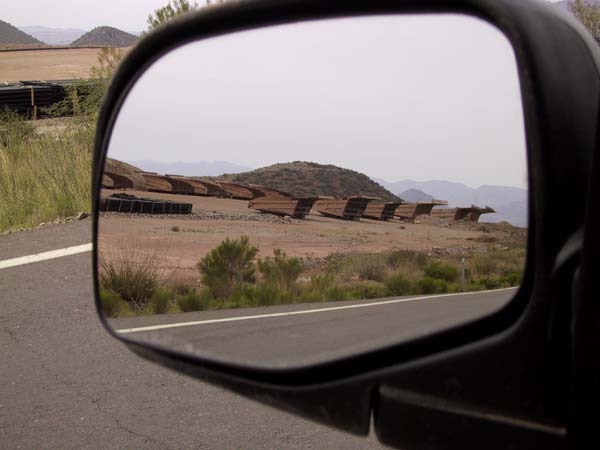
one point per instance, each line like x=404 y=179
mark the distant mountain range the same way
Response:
x=510 y=203
x=54 y=36
x=199 y=168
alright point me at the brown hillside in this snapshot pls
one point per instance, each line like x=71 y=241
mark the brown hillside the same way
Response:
x=109 y=36
x=12 y=35
x=116 y=166
x=306 y=179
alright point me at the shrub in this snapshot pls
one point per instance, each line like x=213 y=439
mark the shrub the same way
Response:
x=512 y=278
x=398 y=285
x=407 y=259
x=441 y=271
x=335 y=293
x=194 y=300
x=175 y=228
x=371 y=267
x=131 y=272
x=428 y=285
x=161 y=300
x=280 y=271
x=266 y=295
x=228 y=266
x=110 y=302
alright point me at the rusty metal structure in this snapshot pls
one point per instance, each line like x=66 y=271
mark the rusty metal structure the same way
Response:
x=408 y=211
x=171 y=185
x=234 y=190
x=269 y=192
x=471 y=213
x=298 y=208
x=111 y=180
x=131 y=204
x=380 y=210
x=476 y=212
x=350 y=208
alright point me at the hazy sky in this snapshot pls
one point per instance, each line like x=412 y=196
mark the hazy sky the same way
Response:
x=395 y=97
x=86 y=14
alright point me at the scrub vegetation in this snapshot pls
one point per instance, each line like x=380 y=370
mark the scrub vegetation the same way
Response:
x=231 y=276
x=43 y=176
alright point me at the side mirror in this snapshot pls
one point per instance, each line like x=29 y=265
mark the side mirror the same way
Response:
x=291 y=272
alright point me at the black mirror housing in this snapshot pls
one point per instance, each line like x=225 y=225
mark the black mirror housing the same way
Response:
x=494 y=380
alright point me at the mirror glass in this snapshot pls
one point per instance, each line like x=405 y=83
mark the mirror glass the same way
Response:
x=304 y=192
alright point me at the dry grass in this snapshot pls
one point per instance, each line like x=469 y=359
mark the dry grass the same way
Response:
x=43 y=176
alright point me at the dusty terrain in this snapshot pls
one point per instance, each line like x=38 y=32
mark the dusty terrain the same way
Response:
x=49 y=64
x=182 y=240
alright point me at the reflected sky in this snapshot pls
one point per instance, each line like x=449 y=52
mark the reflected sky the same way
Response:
x=396 y=97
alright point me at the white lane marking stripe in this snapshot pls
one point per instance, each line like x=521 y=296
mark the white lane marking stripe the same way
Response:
x=293 y=313
x=45 y=256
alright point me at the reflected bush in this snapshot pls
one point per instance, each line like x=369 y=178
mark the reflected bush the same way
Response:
x=194 y=300
x=110 y=302
x=228 y=267
x=441 y=271
x=398 y=284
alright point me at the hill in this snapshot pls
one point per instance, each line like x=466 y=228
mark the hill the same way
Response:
x=53 y=36
x=112 y=37
x=12 y=35
x=415 y=195
x=116 y=166
x=307 y=179
x=197 y=168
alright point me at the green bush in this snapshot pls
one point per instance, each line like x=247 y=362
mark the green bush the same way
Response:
x=228 y=266
x=336 y=293
x=441 y=271
x=194 y=300
x=110 y=302
x=161 y=300
x=398 y=285
x=267 y=295
x=512 y=278
x=428 y=285
x=280 y=271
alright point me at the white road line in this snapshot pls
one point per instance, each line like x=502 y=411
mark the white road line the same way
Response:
x=294 y=313
x=45 y=256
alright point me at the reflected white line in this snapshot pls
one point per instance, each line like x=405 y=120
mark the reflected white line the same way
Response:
x=52 y=254
x=295 y=313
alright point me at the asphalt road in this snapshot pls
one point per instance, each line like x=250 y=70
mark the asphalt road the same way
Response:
x=65 y=384
x=294 y=335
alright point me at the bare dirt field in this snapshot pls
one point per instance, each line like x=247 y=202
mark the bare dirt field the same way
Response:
x=183 y=240
x=48 y=64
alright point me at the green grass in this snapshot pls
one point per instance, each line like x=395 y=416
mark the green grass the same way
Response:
x=43 y=176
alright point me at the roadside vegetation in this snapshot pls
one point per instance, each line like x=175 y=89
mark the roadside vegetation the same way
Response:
x=43 y=176
x=230 y=276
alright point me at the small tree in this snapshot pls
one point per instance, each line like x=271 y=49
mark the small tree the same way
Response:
x=228 y=267
x=588 y=13
x=168 y=12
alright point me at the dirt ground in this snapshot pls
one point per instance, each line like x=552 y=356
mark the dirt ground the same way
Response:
x=315 y=237
x=60 y=64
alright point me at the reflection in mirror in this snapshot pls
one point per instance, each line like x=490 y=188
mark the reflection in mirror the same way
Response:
x=259 y=202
